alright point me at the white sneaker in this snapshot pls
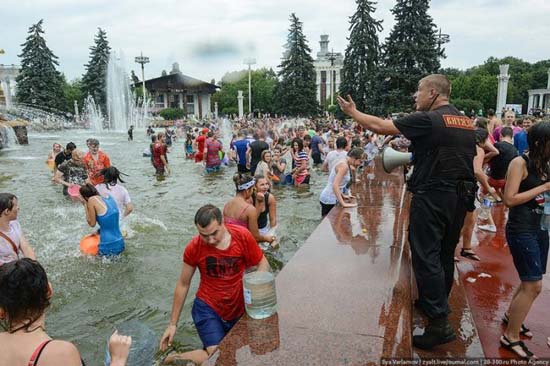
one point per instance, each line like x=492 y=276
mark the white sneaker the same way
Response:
x=490 y=228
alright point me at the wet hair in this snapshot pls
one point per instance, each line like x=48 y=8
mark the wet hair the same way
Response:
x=481 y=135
x=299 y=142
x=210 y=134
x=206 y=214
x=482 y=122
x=88 y=190
x=92 y=142
x=538 y=139
x=257 y=177
x=70 y=146
x=160 y=135
x=439 y=82
x=356 y=153
x=307 y=137
x=355 y=142
x=341 y=143
x=24 y=292
x=490 y=112
x=241 y=178
x=507 y=132
x=111 y=176
x=6 y=201
x=153 y=138
x=264 y=154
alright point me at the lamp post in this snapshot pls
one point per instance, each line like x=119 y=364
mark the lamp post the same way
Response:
x=332 y=57
x=441 y=38
x=142 y=60
x=249 y=61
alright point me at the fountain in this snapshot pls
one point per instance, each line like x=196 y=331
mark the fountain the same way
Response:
x=121 y=106
x=92 y=115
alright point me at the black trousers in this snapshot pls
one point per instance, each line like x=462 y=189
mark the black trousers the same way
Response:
x=436 y=219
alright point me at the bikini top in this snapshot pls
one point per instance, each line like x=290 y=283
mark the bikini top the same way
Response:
x=235 y=221
x=38 y=352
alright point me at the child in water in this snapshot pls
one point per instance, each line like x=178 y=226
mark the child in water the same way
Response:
x=189 y=153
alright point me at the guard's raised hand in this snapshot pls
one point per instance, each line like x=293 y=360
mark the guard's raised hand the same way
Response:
x=347 y=106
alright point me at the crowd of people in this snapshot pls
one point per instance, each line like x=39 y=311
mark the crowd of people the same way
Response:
x=461 y=167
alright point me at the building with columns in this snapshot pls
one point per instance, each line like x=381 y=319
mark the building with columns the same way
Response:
x=177 y=90
x=8 y=73
x=328 y=66
x=539 y=99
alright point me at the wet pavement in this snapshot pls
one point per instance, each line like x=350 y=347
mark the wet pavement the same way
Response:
x=489 y=297
x=345 y=296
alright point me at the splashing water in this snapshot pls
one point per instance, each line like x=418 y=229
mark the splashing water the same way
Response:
x=92 y=114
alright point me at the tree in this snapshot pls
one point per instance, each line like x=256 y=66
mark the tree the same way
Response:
x=72 y=91
x=296 y=92
x=411 y=52
x=39 y=83
x=94 y=81
x=361 y=58
x=264 y=82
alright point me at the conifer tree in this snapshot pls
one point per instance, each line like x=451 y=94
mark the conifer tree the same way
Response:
x=296 y=93
x=362 y=56
x=411 y=52
x=39 y=83
x=94 y=81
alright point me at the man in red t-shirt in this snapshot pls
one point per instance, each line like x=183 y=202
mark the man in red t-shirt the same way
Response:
x=201 y=142
x=160 y=161
x=221 y=252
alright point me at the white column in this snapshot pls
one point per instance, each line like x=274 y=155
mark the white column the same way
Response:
x=206 y=106
x=180 y=96
x=318 y=84
x=165 y=100
x=215 y=109
x=196 y=103
x=502 y=89
x=530 y=103
x=541 y=101
x=240 y=100
x=548 y=83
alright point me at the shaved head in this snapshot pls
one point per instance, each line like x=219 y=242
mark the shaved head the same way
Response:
x=440 y=83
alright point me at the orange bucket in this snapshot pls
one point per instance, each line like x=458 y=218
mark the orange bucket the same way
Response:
x=89 y=244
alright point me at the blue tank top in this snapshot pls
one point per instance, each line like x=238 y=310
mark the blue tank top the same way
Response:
x=110 y=237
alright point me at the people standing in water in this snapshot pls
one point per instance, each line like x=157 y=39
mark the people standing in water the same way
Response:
x=110 y=187
x=189 y=153
x=159 y=155
x=13 y=243
x=221 y=252
x=25 y=295
x=200 y=142
x=213 y=149
x=254 y=151
x=266 y=207
x=300 y=173
x=526 y=194
x=50 y=161
x=65 y=154
x=264 y=166
x=240 y=211
x=95 y=160
x=131 y=133
x=278 y=165
x=72 y=172
x=335 y=155
x=339 y=180
x=103 y=211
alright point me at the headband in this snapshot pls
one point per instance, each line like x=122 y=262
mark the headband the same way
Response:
x=245 y=186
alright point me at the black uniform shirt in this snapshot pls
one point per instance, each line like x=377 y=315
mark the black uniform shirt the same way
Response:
x=443 y=145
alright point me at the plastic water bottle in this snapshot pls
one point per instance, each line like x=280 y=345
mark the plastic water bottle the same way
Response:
x=260 y=296
x=545 y=218
x=144 y=344
x=485 y=210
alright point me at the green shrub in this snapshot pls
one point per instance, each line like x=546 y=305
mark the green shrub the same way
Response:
x=171 y=114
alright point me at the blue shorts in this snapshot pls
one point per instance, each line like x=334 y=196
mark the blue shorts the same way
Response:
x=210 y=326
x=212 y=169
x=530 y=253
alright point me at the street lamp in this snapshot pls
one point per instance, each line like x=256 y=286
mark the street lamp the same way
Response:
x=249 y=61
x=142 y=60
x=441 y=38
x=332 y=57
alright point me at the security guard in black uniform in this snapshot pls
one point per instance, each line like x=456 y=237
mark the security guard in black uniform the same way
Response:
x=443 y=187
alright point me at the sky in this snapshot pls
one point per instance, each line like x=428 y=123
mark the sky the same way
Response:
x=211 y=37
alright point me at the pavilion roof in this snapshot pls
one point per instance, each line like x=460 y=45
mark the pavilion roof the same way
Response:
x=177 y=82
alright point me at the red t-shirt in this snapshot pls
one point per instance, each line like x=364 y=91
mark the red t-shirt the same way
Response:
x=200 y=144
x=221 y=284
x=159 y=149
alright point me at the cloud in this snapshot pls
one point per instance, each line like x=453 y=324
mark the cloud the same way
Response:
x=211 y=37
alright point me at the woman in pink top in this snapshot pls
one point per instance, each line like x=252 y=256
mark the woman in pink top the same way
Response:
x=240 y=211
